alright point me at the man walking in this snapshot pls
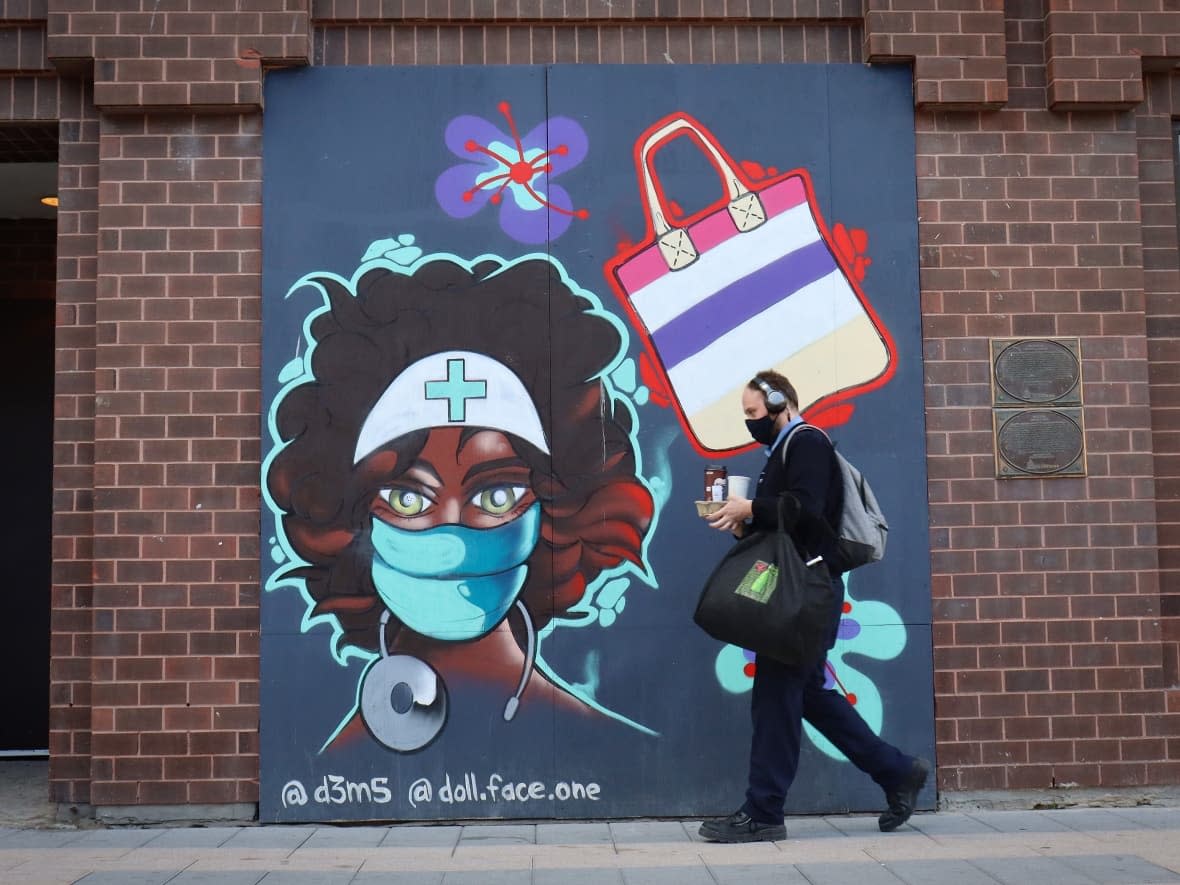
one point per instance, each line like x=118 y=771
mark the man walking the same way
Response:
x=806 y=481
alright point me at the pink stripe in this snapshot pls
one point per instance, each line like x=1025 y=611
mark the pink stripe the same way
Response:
x=783 y=196
x=708 y=233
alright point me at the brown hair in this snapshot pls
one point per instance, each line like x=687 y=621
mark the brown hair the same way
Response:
x=595 y=510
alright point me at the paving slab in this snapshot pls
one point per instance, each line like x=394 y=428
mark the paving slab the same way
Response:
x=695 y=875
x=949 y=824
x=854 y=826
x=811 y=828
x=302 y=877
x=845 y=873
x=128 y=877
x=1092 y=820
x=498 y=834
x=398 y=878
x=1117 y=869
x=422 y=837
x=1019 y=822
x=489 y=877
x=1155 y=818
x=758 y=874
x=939 y=872
x=274 y=838
x=631 y=831
x=578 y=877
x=39 y=839
x=345 y=837
x=192 y=837
x=573 y=834
x=128 y=838
x=218 y=877
x=1023 y=870
x=42 y=877
x=10 y=860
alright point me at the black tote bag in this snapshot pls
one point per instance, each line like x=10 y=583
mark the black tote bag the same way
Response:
x=764 y=598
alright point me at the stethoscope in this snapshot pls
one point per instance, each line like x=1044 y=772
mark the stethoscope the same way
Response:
x=404 y=700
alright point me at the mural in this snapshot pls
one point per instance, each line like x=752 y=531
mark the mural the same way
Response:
x=489 y=398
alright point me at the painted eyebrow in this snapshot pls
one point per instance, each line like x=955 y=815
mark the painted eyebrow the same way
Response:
x=427 y=468
x=485 y=466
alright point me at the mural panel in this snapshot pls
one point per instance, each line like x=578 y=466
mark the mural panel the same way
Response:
x=507 y=317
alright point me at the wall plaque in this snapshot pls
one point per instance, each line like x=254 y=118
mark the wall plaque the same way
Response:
x=1036 y=371
x=1039 y=442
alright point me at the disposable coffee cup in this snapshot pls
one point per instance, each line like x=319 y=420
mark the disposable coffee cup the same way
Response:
x=739 y=486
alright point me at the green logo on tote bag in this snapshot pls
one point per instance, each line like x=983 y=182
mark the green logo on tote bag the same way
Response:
x=759 y=582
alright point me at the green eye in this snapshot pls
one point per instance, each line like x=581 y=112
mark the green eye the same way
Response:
x=405 y=502
x=498 y=500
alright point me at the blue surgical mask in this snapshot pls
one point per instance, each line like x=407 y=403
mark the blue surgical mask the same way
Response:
x=451 y=581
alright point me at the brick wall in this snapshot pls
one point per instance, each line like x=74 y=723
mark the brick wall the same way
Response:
x=1048 y=648
x=1047 y=208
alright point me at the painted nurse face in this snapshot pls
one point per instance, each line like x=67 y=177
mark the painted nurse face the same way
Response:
x=479 y=482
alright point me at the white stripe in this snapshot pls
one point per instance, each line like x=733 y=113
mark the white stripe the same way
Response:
x=798 y=320
x=664 y=299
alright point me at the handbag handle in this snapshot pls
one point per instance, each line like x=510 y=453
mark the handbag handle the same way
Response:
x=745 y=208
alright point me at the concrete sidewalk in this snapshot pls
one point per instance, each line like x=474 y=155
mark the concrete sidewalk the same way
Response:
x=1062 y=847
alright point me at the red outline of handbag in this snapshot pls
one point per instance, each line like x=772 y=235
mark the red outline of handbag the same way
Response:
x=749 y=282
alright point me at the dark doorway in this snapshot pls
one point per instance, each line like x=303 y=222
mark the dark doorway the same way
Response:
x=28 y=239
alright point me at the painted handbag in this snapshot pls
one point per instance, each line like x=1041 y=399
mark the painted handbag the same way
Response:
x=751 y=282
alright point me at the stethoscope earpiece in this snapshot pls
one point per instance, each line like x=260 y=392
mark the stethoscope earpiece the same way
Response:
x=530 y=655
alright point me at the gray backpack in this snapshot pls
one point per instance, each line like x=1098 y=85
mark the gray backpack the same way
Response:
x=863 y=530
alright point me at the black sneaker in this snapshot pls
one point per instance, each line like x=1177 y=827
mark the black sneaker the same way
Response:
x=901 y=801
x=740 y=827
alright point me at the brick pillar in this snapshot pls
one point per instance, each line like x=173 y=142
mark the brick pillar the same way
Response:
x=1157 y=195
x=73 y=458
x=176 y=461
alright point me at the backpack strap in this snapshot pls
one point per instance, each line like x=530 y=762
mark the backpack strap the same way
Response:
x=802 y=426
x=820 y=520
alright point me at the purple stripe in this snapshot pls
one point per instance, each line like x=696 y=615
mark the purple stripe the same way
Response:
x=728 y=308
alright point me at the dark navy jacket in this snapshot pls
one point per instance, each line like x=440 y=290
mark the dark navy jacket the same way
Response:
x=812 y=477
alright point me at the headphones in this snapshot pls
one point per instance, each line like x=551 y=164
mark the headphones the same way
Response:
x=776 y=400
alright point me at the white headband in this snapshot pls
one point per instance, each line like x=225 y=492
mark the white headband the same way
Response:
x=453 y=389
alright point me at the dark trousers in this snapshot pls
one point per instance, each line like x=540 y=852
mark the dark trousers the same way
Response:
x=782 y=698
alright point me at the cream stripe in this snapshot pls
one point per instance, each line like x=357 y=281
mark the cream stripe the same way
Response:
x=852 y=355
x=790 y=325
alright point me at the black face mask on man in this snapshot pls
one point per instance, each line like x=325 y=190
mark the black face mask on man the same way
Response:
x=762 y=429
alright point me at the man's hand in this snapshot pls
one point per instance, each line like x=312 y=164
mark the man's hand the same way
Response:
x=732 y=516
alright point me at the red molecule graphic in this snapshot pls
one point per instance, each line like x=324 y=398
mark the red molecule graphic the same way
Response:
x=520 y=171
x=749 y=670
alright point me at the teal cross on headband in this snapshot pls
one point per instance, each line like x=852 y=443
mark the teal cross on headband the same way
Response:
x=457 y=389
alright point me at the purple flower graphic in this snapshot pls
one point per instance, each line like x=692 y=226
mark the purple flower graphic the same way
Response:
x=513 y=173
